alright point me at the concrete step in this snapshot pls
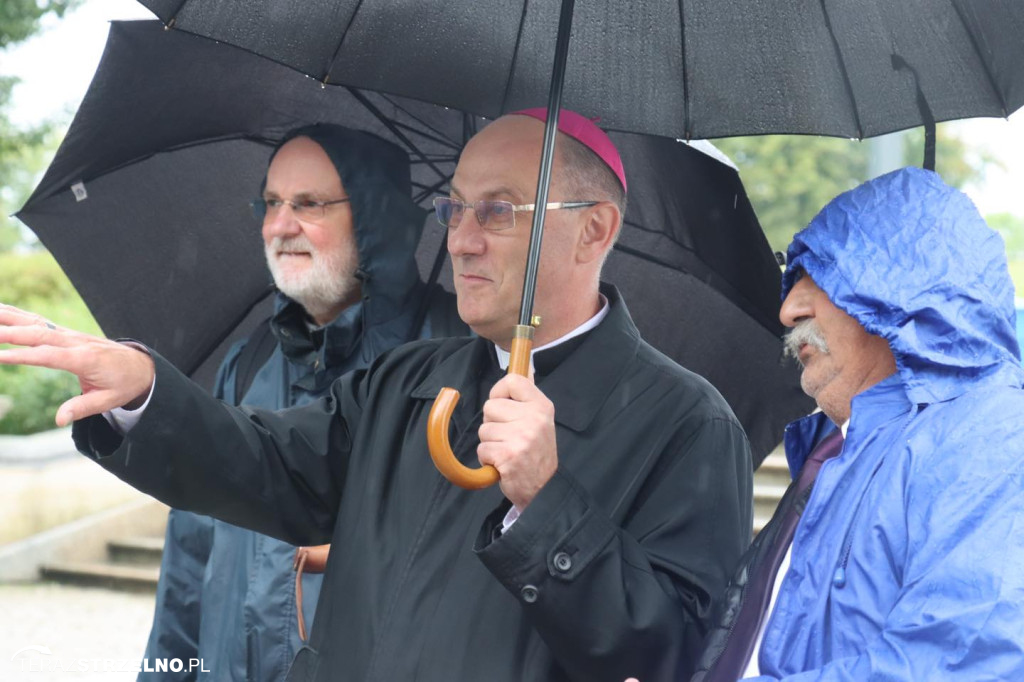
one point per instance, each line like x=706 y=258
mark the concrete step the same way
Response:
x=136 y=551
x=102 y=574
x=773 y=470
x=770 y=482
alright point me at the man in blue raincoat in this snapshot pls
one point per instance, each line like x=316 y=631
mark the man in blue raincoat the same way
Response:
x=908 y=560
x=340 y=232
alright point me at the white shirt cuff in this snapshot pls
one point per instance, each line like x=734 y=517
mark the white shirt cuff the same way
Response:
x=123 y=420
x=510 y=518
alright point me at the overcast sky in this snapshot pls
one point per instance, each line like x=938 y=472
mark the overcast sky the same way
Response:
x=57 y=65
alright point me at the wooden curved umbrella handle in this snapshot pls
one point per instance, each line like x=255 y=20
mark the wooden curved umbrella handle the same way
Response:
x=441 y=414
x=441 y=451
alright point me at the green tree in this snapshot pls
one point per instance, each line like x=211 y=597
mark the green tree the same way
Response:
x=20 y=19
x=23 y=151
x=790 y=178
x=1011 y=227
x=33 y=280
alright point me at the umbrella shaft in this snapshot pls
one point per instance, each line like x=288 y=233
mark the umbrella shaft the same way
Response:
x=546 y=159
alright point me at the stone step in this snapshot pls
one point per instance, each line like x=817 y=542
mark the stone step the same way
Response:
x=774 y=470
x=101 y=574
x=137 y=550
x=770 y=482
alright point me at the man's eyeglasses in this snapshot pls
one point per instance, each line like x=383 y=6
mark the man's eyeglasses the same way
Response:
x=303 y=209
x=493 y=216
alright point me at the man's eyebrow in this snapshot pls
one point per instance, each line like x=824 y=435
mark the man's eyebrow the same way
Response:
x=497 y=191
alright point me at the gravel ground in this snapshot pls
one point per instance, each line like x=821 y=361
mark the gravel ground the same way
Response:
x=92 y=634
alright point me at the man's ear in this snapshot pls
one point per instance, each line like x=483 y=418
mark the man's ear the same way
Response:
x=603 y=221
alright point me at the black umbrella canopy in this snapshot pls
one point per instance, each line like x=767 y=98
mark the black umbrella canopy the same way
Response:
x=695 y=69
x=172 y=141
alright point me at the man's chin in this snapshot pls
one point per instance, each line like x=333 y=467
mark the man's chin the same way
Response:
x=293 y=286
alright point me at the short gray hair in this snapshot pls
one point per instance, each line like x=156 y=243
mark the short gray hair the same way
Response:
x=588 y=178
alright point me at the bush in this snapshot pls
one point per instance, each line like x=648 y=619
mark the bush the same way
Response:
x=35 y=282
x=1017 y=273
x=35 y=396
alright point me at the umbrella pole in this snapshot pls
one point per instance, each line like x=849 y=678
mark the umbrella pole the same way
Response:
x=522 y=336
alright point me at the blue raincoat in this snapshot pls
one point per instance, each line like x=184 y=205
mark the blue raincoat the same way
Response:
x=908 y=563
x=226 y=594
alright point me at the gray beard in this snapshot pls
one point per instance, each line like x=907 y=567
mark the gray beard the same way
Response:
x=329 y=281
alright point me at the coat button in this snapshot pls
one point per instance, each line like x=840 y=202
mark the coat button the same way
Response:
x=563 y=562
x=528 y=593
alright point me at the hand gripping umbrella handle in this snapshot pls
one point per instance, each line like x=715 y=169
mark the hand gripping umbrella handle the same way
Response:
x=441 y=414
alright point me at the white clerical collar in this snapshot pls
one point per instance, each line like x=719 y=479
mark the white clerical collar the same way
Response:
x=503 y=355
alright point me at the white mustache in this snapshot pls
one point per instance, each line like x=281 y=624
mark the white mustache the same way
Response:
x=291 y=244
x=805 y=332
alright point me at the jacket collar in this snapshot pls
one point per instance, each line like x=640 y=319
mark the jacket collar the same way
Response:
x=877 y=405
x=303 y=344
x=578 y=386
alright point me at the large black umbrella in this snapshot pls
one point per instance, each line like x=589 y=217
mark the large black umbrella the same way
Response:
x=172 y=140
x=693 y=69
x=705 y=68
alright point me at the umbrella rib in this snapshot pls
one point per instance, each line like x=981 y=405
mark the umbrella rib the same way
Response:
x=846 y=74
x=429 y=189
x=433 y=158
x=660 y=233
x=430 y=136
x=390 y=125
x=173 y=17
x=977 y=50
x=437 y=135
x=341 y=42
x=686 y=75
x=515 y=56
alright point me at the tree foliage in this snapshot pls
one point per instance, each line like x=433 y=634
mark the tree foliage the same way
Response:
x=31 y=395
x=790 y=178
x=20 y=19
x=31 y=280
x=23 y=151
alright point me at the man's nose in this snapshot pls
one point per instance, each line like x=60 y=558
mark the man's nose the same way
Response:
x=796 y=306
x=281 y=222
x=468 y=239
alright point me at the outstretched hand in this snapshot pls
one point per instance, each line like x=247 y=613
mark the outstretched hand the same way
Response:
x=110 y=374
x=517 y=438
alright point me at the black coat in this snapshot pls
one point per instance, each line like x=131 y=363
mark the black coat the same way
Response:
x=609 y=572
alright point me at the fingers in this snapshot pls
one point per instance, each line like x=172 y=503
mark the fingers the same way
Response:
x=515 y=387
x=87 y=405
x=9 y=315
x=42 y=356
x=35 y=335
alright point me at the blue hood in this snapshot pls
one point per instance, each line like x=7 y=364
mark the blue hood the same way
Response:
x=911 y=259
